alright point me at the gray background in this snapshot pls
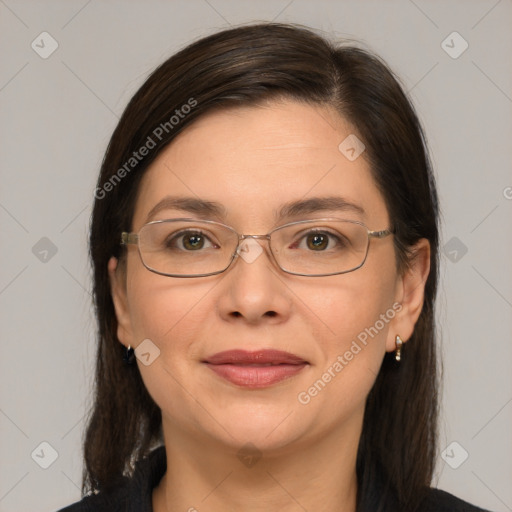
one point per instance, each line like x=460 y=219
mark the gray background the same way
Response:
x=57 y=116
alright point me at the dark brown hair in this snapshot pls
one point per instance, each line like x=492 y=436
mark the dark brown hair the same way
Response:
x=248 y=65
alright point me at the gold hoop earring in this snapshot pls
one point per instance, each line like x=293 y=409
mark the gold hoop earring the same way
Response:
x=398 y=351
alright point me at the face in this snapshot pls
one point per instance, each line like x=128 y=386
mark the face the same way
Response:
x=252 y=162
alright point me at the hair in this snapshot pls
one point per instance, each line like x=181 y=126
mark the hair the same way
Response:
x=248 y=66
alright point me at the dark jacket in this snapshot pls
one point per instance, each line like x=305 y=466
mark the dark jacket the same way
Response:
x=136 y=493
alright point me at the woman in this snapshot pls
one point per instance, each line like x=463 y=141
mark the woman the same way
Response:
x=265 y=251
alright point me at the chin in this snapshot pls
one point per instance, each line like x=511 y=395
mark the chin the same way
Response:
x=267 y=427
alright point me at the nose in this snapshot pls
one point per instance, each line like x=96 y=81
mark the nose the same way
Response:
x=253 y=291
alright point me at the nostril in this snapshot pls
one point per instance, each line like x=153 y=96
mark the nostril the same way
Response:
x=237 y=314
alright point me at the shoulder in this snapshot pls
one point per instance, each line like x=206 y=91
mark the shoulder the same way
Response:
x=133 y=494
x=102 y=502
x=437 y=500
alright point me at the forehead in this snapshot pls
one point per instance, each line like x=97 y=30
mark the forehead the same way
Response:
x=254 y=160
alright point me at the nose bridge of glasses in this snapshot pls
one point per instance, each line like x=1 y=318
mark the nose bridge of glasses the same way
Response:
x=247 y=238
x=251 y=251
x=257 y=237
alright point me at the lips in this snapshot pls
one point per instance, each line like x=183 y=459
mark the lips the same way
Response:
x=257 y=369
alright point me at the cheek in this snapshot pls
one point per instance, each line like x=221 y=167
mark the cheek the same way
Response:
x=349 y=305
x=351 y=335
x=352 y=316
x=171 y=314
x=165 y=309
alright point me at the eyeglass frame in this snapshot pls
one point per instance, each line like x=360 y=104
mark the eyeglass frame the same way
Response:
x=132 y=238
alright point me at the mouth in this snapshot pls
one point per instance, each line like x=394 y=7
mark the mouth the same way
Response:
x=258 y=369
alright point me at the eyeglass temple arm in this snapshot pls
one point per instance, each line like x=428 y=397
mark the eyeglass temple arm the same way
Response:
x=129 y=238
x=380 y=234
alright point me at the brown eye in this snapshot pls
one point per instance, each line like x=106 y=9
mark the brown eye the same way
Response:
x=317 y=242
x=188 y=241
x=193 y=242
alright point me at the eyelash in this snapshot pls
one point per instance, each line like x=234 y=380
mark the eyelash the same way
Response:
x=330 y=235
x=169 y=242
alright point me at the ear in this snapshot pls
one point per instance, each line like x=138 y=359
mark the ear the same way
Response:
x=410 y=293
x=117 y=277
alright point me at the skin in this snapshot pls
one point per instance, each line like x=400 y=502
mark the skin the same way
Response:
x=252 y=161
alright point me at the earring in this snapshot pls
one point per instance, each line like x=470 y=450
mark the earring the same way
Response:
x=398 y=351
x=129 y=355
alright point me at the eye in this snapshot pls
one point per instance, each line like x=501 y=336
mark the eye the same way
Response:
x=189 y=241
x=319 y=241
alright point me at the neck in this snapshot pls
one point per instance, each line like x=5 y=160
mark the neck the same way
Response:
x=215 y=478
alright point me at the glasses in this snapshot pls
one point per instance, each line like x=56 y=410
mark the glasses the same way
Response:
x=200 y=248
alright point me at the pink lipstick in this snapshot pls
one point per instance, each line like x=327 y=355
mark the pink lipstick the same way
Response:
x=258 y=369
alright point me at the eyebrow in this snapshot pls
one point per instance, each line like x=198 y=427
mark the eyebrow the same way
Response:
x=208 y=209
x=319 y=204
x=201 y=207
